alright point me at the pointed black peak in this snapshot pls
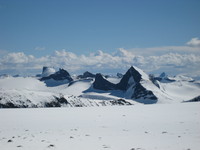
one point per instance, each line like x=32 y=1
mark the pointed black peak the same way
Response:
x=131 y=74
x=130 y=83
x=102 y=84
x=134 y=73
x=62 y=72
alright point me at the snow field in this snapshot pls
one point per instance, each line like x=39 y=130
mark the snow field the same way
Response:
x=142 y=127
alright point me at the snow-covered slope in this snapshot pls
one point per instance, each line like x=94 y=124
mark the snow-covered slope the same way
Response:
x=30 y=92
x=58 y=78
x=138 y=127
x=135 y=86
x=139 y=86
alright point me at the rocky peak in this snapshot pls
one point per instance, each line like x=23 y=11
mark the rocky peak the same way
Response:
x=87 y=75
x=59 y=75
x=102 y=84
x=130 y=84
x=131 y=73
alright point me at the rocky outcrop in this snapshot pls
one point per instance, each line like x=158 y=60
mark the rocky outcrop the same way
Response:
x=86 y=75
x=101 y=83
x=133 y=74
x=196 y=99
x=59 y=75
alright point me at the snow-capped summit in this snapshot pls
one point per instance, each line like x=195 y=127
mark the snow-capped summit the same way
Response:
x=59 y=90
x=58 y=78
x=132 y=76
x=47 y=71
x=134 y=83
x=59 y=75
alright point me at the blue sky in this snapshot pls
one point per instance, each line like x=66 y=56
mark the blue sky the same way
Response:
x=42 y=27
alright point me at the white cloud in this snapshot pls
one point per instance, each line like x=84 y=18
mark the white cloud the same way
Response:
x=194 y=42
x=3 y=52
x=192 y=46
x=100 y=61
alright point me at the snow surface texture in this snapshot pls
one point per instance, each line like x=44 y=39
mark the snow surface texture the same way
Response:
x=136 y=127
x=30 y=92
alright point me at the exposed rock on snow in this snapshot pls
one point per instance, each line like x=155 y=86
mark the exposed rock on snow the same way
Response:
x=196 y=99
x=119 y=75
x=102 y=84
x=131 y=83
x=86 y=75
x=58 y=78
x=60 y=91
x=59 y=75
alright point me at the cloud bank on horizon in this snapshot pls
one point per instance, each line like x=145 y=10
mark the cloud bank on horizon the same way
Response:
x=171 y=59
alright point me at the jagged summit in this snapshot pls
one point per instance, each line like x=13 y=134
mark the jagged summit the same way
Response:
x=86 y=75
x=102 y=84
x=59 y=75
x=58 y=78
x=135 y=85
x=131 y=84
x=132 y=76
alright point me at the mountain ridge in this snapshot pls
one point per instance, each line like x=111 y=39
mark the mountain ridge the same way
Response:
x=133 y=87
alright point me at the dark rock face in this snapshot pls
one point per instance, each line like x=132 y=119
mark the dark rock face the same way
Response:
x=163 y=75
x=119 y=75
x=21 y=104
x=138 y=90
x=8 y=105
x=86 y=75
x=59 y=75
x=103 y=84
x=163 y=78
x=44 y=69
x=196 y=99
x=120 y=102
x=123 y=84
x=57 y=102
x=141 y=92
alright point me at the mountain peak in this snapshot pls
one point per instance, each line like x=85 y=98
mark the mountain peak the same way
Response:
x=102 y=84
x=131 y=73
x=131 y=84
x=87 y=74
x=59 y=75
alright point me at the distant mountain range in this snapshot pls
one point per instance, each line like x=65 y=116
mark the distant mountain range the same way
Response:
x=60 y=89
